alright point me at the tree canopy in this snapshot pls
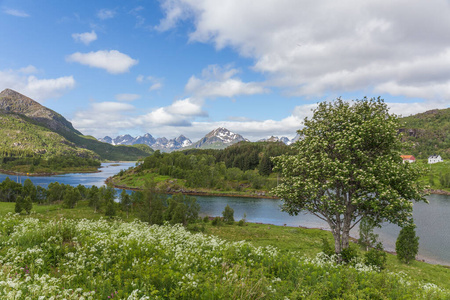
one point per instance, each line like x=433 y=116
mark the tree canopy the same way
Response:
x=348 y=166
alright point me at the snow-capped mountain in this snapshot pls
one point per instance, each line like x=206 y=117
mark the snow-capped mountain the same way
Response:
x=283 y=139
x=219 y=138
x=162 y=144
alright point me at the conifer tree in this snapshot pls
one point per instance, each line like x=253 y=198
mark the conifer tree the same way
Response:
x=407 y=244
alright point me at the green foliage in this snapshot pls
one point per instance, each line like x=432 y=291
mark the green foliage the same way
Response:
x=71 y=197
x=367 y=238
x=217 y=221
x=429 y=132
x=19 y=205
x=27 y=204
x=407 y=244
x=68 y=258
x=348 y=165
x=376 y=257
x=348 y=254
x=326 y=247
x=228 y=215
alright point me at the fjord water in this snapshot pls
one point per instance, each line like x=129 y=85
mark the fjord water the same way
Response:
x=431 y=219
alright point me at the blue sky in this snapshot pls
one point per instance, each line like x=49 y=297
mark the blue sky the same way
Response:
x=174 y=67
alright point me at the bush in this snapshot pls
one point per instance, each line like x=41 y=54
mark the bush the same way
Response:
x=217 y=221
x=326 y=247
x=206 y=219
x=376 y=257
x=348 y=254
x=241 y=222
x=407 y=244
x=228 y=215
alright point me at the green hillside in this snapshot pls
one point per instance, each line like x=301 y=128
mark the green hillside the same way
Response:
x=429 y=132
x=33 y=135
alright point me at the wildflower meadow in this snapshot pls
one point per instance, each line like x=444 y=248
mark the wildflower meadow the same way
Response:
x=113 y=259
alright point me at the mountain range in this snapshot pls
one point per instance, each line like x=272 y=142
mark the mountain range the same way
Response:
x=29 y=129
x=162 y=144
x=218 y=138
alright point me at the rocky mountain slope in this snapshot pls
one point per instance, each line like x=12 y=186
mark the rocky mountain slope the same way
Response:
x=429 y=132
x=30 y=127
x=219 y=138
x=162 y=144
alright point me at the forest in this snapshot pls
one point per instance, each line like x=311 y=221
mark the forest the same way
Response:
x=243 y=166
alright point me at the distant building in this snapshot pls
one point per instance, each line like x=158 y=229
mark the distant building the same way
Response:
x=408 y=158
x=432 y=159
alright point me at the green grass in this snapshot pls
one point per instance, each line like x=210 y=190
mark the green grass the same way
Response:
x=304 y=242
x=434 y=171
x=308 y=242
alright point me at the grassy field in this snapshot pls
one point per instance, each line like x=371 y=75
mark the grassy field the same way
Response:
x=434 y=172
x=288 y=240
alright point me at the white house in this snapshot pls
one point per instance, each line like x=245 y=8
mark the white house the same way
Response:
x=432 y=159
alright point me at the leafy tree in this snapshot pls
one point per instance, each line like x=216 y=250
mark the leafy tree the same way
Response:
x=110 y=209
x=125 y=201
x=94 y=198
x=18 y=207
x=27 y=204
x=347 y=165
x=228 y=215
x=407 y=244
x=367 y=238
x=71 y=197
x=29 y=190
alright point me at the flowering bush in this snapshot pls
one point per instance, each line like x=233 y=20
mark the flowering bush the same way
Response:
x=73 y=259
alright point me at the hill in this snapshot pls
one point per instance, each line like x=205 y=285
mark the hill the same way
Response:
x=31 y=132
x=429 y=132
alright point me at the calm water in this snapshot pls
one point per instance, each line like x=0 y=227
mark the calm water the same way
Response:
x=431 y=219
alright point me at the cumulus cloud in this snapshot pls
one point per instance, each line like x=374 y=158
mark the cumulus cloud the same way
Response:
x=127 y=97
x=36 y=88
x=85 y=38
x=317 y=48
x=221 y=82
x=16 y=13
x=112 y=61
x=104 y=118
x=105 y=14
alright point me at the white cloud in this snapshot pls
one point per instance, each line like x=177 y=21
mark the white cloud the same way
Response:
x=218 y=82
x=15 y=12
x=314 y=48
x=85 y=38
x=105 y=14
x=156 y=83
x=155 y=86
x=104 y=118
x=112 y=61
x=34 y=87
x=127 y=97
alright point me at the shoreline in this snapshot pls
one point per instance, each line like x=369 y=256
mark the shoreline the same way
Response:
x=419 y=258
x=14 y=173
x=194 y=193
x=108 y=181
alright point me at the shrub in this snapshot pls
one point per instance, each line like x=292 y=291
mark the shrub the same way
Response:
x=228 y=215
x=326 y=247
x=206 y=219
x=348 y=254
x=241 y=222
x=407 y=244
x=376 y=257
x=217 y=221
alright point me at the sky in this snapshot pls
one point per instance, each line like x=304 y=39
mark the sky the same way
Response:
x=257 y=68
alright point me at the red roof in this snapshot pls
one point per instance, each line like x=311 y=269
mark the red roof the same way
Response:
x=408 y=157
